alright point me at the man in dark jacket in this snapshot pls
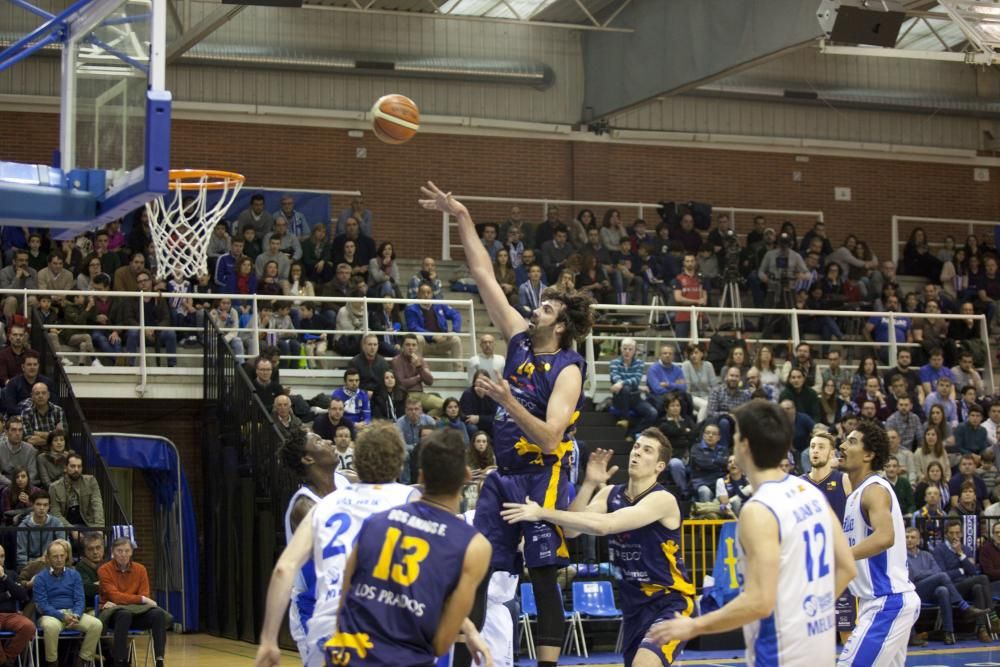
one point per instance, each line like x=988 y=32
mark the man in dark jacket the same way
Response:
x=156 y=313
x=370 y=365
x=12 y=596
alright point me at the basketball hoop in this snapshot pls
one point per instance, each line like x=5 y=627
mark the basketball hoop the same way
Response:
x=182 y=228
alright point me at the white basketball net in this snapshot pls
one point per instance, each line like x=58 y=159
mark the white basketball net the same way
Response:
x=181 y=222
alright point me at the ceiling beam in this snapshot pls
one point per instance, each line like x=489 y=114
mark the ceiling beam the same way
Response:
x=218 y=18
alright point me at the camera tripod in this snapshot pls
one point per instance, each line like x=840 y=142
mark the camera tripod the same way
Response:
x=731 y=299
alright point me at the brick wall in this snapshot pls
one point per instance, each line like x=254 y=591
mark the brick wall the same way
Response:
x=309 y=157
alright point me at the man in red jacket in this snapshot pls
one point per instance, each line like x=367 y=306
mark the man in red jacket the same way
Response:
x=126 y=603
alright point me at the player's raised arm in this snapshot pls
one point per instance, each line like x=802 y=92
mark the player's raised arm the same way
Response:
x=651 y=509
x=279 y=591
x=508 y=320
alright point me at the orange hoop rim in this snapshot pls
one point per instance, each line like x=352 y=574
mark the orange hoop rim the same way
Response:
x=214 y=179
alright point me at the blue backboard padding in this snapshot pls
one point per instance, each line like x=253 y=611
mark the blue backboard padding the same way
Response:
x=44 y=206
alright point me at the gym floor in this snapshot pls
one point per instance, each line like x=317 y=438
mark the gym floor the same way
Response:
x=198 y=650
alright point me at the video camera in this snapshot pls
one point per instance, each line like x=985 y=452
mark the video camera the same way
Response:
x=732 y=252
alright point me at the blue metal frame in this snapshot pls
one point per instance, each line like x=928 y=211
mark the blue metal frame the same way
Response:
x=55 y=28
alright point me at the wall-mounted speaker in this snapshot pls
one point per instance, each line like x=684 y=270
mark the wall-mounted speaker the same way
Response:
x=874 y=22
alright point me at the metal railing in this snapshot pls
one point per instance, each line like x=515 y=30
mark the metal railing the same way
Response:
x=898 y=242
x=78 y=437
x=252 y=333
x=245 y=494
x=647 y=331
x=641 y=209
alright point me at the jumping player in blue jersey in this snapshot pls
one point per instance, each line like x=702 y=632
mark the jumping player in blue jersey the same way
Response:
x=643 y=523
x=413 y=573
x=314 y=461
x=538 y=399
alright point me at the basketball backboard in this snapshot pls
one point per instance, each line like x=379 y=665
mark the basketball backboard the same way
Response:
x=114 y=128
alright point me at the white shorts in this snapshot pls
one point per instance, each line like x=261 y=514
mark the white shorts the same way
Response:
x=882 y=632
x=321 y=628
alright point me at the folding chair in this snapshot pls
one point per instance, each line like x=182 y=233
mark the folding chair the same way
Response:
x=529 y=610
x=595 y=600
x=65 y=634
x=27 y=658
x=133 y=655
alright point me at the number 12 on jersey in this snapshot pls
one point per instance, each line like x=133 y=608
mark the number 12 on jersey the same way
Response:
x=816 y=538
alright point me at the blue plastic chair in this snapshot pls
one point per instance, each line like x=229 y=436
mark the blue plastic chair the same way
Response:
x=28 y=656
x=529 y=610
x=133 y=655
x=595 y=600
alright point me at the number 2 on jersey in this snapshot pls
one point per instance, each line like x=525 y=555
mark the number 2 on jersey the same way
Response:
x=819 y=537
x=332 y=548
x=415 y=550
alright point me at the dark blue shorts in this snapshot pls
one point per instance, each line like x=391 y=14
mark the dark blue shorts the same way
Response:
x=544 y=544
x=638 y=623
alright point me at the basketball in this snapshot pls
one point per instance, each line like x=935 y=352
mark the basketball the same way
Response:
x=395 y=119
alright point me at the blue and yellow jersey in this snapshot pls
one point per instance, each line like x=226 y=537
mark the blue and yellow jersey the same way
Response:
x=409 y=561
x=647 y=560
x=532 y=378
x=832 y=488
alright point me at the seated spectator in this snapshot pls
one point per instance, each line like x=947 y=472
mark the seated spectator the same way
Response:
x=556 y=252
x=427 y=274
x=411 y=425
x=385 y=318
x=593 y=280
x=389 y=399
x=15 y=499
x=84 y=280
x=87 y=566
x=359 y=213
x=371 y=367
x=900 y=486
x=12 y=356
x=314 y=342
x=628 y=391
x=963 y=404
x=932 y=332
x=55 y=278
x=966 y=504
x=251 y=245
x=218 y=245
x=936 y=420
x=907 y=462
x=734 y=489
x=18 y=390
x=706 y=465
x=156 y=313
x=967 y=473
x=970 y=435
x=989 y=554
x=32 y=543
x=944 y=398
x=906 y=424
x=243 y=281
x=738 y=359
x=802 y=426
x=76 y=499
x=908 y=373
x=281 y=332
x=269 y=282
x=74 y=313
x=529 y=291
x=933 y=586
x=453 y=418
x=487 y=360
x=350 y=318
x=917 y=259
x=226 y=267
x=58 y=593
x=40 y=417
x=931 y=450
x=265 y=385
x=873 y=392
x=13 y=596
x=665 y=378
x=432 y=320
x=383 y=273
x=343 y=445
x=935 y=369
x=125 y=585
x=699 y=375
x=357 y=407
x=930 y=516
x=126 y=278
x=477 y=408
x=284 y=418
x=727 y=396
x=15 y=453
x=20 y=276
x=288 y=243
x=966 y=375
x=104 y=316
x=803 y=396
x=52 y=461
x=481 y=459
x=225 y=318
x=830 y=405
x=316 y=255
x=255 y=216
x=325 y=425
x=364 y=248
x=679 y=428
x=877 y=327
x=958 y=562
x=412 y=374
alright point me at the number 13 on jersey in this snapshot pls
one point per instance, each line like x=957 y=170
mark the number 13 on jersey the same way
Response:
x=413 y=551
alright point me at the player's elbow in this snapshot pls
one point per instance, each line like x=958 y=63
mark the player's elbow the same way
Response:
x=761 y=606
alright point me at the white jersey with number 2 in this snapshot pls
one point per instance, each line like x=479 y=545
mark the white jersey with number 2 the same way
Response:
x=801 y=631
x=336 y=522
